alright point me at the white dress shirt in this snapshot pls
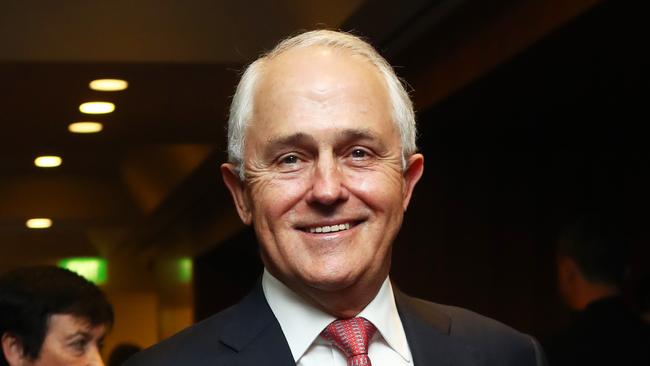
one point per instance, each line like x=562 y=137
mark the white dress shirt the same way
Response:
x=302 y=324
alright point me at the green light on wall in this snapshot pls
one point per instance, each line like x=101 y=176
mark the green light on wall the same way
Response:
x=92 y=269
x=185 y=270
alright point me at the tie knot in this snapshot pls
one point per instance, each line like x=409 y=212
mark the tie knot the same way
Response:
x=350 y=335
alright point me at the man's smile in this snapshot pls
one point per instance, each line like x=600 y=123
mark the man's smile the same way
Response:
x=329 y=229
x=324 y=228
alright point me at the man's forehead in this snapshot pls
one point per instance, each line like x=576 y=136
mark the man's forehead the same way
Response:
x=297 y=138
x=323 y=76
x=316 y=89
x=272 y=131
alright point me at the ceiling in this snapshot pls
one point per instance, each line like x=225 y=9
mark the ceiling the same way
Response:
x=145 y=31
x=160 y=149
x=181 y=60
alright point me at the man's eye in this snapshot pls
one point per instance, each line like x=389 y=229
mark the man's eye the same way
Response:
x=289 y=159
x=359 y=153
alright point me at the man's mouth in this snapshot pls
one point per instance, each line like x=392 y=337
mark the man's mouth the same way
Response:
x=329 y=228
x=334 y=228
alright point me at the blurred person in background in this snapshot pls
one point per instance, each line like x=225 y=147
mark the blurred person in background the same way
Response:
x=50 y=316
x=592 y=264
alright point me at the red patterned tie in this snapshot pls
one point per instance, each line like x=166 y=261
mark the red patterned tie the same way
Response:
x=351 y=336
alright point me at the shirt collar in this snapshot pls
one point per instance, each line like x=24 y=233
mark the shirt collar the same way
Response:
x=382 y=312
x=302 y=323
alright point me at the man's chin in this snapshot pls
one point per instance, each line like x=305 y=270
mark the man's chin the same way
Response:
x=330 y=282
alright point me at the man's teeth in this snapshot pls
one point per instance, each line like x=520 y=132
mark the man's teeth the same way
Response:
x=329 y=229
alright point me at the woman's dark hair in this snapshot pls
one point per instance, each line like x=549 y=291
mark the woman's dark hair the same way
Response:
x=30 y=295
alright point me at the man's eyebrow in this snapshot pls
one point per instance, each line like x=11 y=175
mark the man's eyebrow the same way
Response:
x=352 y=135
x=298 y=138
x=345 y=136
x=357 y=134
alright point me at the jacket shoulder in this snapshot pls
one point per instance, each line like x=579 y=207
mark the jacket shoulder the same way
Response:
x=496 y=341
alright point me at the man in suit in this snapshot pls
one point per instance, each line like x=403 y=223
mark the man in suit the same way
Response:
x=322 y=163
x=591 y=268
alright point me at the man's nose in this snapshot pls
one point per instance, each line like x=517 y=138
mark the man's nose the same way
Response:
x=327 y=183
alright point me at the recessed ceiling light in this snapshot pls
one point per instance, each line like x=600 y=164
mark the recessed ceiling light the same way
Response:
x=97 y=107
x=108 y=84
x=39 y=223
x=49 y=161
x=85 y=127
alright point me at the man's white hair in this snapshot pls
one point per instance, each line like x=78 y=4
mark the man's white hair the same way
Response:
x=241 y=108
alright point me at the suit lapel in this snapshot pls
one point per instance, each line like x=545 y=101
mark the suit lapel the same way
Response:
x=428 y=335
x=254 y=333
x=255 y=336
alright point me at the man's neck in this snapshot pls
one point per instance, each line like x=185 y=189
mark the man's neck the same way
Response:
x=342 y=303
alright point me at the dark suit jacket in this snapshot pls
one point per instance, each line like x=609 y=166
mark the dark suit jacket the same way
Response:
x=605 y=333
x=249 y=334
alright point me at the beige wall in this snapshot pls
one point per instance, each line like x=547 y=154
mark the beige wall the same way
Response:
x=174 y=319
x=150 y=301
x=136 y=320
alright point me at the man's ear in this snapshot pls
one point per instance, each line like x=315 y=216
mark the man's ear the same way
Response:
x=12 y=348
x=237 y=190
x=412 y=174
